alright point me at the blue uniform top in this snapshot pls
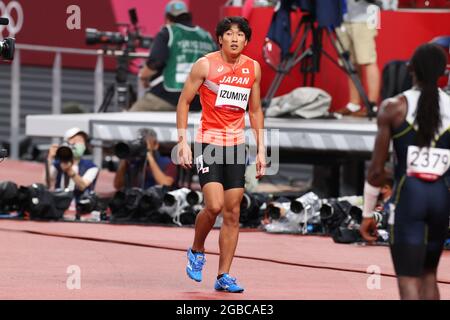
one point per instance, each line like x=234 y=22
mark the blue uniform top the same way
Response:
x=405 y=135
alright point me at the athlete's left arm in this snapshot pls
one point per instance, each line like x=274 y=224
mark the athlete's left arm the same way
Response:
x=256 y=116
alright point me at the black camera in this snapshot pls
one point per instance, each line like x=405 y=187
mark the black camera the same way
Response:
x=35 y=200
x=91 y=202
x=138 y=205
x=3 y=154
x=132 y=39
x=136 y=149
x=64 y=153
x=7 y=46
x=341 y=220
x=251 y=208
x=8 y=196
x=128 y=42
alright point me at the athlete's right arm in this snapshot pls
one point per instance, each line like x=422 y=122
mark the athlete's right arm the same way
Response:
x=380 y=153
x=375 y=177
x=196 y=77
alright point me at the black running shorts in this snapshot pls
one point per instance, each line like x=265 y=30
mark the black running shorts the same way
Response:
x=225 y=165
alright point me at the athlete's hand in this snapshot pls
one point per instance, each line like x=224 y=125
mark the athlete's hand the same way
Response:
x=185 y=155
x=260 y=164
x=368 y=230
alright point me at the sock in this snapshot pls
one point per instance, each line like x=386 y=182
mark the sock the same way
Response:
x=220 y=276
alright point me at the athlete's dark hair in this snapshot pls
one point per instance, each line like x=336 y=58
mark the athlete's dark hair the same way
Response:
x=225 y=25
x=428 y=64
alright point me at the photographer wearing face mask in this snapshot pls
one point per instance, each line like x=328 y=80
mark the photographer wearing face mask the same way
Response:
x=159 y=170
x=72 y=172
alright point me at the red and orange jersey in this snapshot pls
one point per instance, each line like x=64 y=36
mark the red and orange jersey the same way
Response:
x=224 y=96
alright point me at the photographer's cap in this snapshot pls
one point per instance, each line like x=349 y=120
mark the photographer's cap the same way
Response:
x=176 y=8
x=73 y=132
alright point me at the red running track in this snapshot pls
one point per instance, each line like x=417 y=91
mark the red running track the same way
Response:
x=142 y=262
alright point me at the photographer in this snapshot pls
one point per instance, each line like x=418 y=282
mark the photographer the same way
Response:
x=159 y=170
x=75 y=174
x=7 y=46
x=175 y=49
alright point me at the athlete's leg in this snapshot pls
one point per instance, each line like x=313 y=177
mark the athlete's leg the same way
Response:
x=229 y=232
x=429 y=289
x=437 y=224
x=409 y=287
x=214 y=199
x=408 y=241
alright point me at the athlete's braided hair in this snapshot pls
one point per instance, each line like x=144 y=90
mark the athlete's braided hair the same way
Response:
x=428 y=64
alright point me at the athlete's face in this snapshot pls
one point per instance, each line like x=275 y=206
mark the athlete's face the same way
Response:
x=233 y=41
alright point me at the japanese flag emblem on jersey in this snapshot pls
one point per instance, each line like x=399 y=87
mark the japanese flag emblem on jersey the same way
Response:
x=245 y=71
x=427 y=164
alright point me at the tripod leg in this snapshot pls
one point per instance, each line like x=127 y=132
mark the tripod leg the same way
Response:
x=288 y=62
x=273 y=89
x=132 y=96
x=107 y=100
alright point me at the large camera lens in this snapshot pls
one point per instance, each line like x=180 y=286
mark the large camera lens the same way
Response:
x=8 y=190
x=7 y=48
x=87 y=204
x=64 y=153
x=194 y=197
x=133 y=149
x=169 y=200
x=326 y=212
x=150 y=201
x=273 y=211
x=122 y=150
x=297 y=206
x=93 y=36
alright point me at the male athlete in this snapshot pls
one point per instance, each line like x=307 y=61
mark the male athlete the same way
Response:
x=228 y=81
x=418 y=122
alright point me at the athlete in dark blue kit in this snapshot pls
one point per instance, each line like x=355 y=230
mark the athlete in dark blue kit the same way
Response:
x=418 y=122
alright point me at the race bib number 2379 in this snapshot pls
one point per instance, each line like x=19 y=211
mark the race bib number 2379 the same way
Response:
x=427 y=163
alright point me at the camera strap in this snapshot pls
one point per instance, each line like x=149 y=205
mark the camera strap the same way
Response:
x=47 y=174
x=144 y=174
x=66 y=180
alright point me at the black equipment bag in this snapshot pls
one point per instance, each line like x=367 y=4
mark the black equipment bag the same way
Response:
x=396 y=78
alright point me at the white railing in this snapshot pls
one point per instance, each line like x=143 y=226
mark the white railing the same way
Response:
x=56 y=82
